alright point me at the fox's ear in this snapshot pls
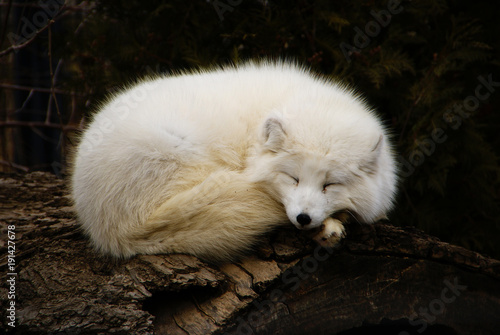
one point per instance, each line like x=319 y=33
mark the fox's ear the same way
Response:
x=274 y=134
x=370 y=164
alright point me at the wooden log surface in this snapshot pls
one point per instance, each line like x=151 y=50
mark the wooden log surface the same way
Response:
x=383 y=279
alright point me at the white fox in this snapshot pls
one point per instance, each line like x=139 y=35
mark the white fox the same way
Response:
x=206 y=162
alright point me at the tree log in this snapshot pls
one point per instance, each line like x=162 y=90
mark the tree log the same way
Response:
x=382 y=279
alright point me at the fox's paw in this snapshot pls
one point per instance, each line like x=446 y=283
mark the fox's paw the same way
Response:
x=331 y=233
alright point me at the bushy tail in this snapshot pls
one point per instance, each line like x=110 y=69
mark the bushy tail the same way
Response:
x=217 y=220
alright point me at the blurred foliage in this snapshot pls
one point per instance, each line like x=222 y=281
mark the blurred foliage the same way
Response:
x=421 y=62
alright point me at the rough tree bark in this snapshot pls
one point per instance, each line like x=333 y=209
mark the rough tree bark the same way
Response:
x=383 y=279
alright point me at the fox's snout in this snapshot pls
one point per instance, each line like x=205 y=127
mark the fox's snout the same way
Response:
x=303 y=219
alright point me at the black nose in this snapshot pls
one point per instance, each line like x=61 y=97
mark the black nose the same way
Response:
x=303 y=219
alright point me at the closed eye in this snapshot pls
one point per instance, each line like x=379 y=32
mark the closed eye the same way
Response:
x=329 y=184
x=294 y=178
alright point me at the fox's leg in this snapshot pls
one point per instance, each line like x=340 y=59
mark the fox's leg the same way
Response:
x=217 y=220
x=332 y=230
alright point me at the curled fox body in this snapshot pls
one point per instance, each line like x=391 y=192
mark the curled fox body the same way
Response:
x=207 y=162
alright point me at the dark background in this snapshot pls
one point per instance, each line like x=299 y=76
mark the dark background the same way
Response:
x=424 y=65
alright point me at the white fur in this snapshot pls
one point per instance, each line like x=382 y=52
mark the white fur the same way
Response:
x=204 y=162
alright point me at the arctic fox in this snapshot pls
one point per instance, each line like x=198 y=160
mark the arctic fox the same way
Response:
x=206 y=162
